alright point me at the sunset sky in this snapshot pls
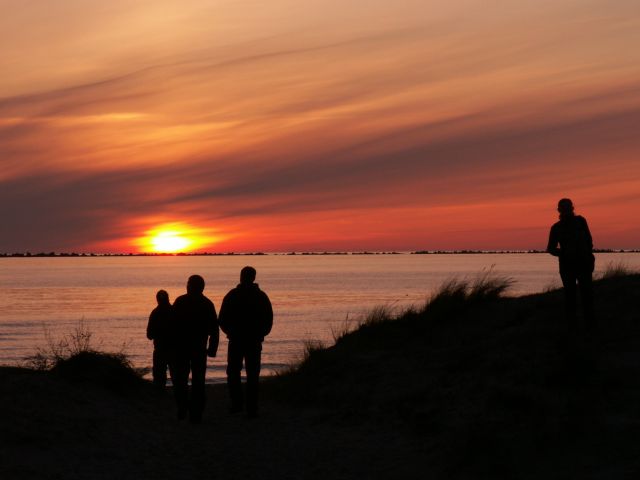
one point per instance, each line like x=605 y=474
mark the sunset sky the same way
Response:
x=316 y=124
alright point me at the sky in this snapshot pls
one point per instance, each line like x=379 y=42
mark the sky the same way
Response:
x=316 y=125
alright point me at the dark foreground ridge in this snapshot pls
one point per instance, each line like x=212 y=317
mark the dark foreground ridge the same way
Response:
x=472 y=386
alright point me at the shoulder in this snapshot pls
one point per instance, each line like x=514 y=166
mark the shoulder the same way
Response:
x=231 y=293
x=580 y=223
x=207 y=301
x=180 y=300
x=261 y=298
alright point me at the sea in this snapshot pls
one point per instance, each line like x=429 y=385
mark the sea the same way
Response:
x=45 y=299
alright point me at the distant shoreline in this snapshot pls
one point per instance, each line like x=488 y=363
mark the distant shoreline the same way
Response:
x=226 y=254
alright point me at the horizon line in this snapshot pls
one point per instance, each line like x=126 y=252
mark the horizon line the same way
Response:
x=54 y=254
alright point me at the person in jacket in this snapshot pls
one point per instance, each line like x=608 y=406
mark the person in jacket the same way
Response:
x=158 y=331
x=195 y=335
x=246 y=317
x=570 y=240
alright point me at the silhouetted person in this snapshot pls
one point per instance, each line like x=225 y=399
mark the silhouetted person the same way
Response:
x=576 y=260
x=246 y=317
x=158 y=331
x=194 y=323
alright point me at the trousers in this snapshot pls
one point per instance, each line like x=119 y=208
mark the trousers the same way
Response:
x=249 y=353
x=183 y=363
x=576 y=277
x=160 y=364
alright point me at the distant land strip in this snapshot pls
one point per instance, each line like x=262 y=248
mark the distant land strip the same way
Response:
x=219 y=254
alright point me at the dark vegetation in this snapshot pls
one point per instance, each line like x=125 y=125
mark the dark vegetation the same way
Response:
x=472 y=385
x=491 y=387
x=74 y=357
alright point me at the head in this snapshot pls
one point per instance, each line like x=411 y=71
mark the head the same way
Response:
x=247 y=275
x=565 y=208
x=162 y=297
x=195 y=284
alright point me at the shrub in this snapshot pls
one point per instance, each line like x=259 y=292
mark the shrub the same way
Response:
x=58 y=350
x=77 y=344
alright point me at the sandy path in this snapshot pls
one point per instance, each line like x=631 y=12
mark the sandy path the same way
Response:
x=65 y=430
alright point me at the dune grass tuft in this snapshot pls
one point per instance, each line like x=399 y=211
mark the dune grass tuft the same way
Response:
x=616 y=270
x=57 y=350
x=74 y=356
x=450 y=298
x=112 y=370
x=457 y=295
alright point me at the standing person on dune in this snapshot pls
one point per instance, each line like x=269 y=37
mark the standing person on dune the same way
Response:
x=576 y=260
x=194 y=323
x=246 y=317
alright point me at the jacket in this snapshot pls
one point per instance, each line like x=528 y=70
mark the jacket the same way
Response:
x=246 y=313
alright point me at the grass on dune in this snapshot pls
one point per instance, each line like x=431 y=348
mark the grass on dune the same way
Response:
x=616 y=270
x=75 y=357
x=487 y=383
x=382 y=340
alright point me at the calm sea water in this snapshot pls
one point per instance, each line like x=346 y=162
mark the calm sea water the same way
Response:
x=311 y=295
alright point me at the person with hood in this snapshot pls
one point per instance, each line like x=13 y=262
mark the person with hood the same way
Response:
x=246 y=317
x=158 y=331
x=194 y=324
x=570 y=240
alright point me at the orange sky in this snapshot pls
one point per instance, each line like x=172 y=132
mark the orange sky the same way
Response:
x=317 y=125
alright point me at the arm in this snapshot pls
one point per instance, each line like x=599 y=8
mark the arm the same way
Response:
x=224 y=319
x=267 y=320
x=214 y=333
x=552 y=245
x=588 y=234
x=150 y=326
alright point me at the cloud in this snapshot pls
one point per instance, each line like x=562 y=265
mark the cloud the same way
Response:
x=433 y=106
x=506 y=162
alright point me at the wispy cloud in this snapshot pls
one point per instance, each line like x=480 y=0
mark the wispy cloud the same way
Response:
x=439 y=107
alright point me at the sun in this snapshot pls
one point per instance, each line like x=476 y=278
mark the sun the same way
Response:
x=169 y=241
x=176 y=237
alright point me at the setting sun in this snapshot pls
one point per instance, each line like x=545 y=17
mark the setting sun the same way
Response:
x=169 y=242
x=174 y=238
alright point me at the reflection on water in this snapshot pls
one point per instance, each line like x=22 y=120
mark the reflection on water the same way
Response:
x=113 y=296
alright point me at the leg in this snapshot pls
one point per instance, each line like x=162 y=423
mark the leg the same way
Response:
x=179 y=368
x=159 y=367
x=586 y=296
x=568 y=276
x=234 y=368
x=198 y=372
x=252 y=365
